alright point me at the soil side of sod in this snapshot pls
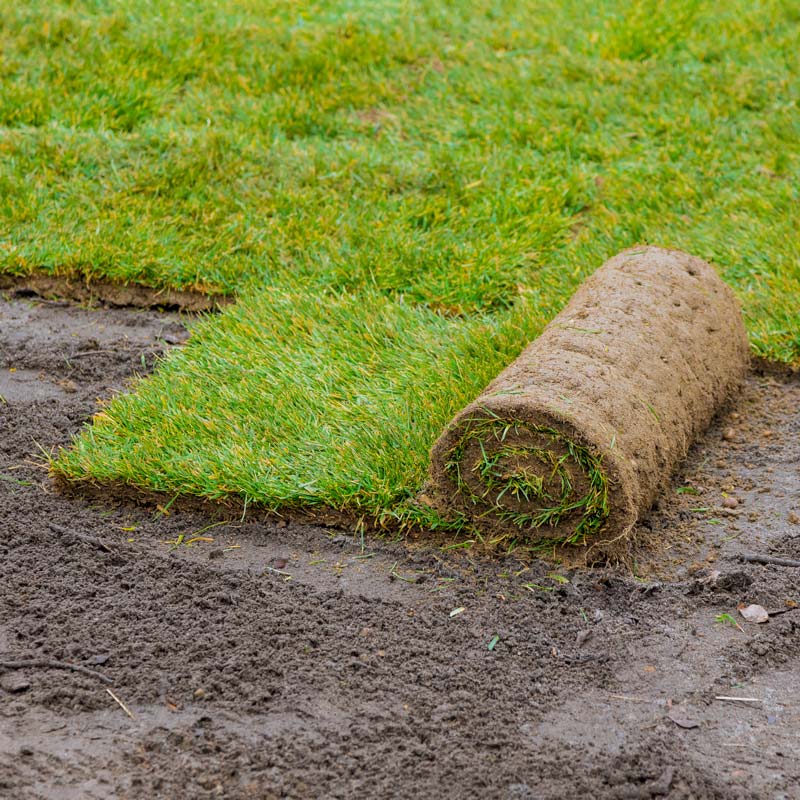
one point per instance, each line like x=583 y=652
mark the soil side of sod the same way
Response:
x=628 y=373
x=93 y=292
x=277 y=659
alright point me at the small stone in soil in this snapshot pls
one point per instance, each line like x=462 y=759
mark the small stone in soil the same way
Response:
x=729 y=502
x=754 y=613
x=70 y=387
x=729 y=434
x=681 y=721
x=14 y=684
x=583 y=635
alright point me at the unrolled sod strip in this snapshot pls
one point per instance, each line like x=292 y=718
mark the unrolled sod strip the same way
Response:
x=573 y=441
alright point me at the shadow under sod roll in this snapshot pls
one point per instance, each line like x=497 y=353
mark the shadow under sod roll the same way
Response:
x=572 y=442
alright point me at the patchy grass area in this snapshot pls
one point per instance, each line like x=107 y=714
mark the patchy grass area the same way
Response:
x=400 y=195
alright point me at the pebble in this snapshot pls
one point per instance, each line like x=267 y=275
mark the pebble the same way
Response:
x=70 y=387
x=729 y=502
x=729 y=434
x=583 y=635
x=14 y=684
x=793 y=518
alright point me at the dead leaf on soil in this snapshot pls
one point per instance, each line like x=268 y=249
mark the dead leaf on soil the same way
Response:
x=754 y=613
x=681 y=721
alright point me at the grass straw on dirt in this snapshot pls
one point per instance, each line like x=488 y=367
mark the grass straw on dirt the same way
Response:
x=400 y=195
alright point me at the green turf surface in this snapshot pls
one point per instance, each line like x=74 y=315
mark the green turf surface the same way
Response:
x=400 y=194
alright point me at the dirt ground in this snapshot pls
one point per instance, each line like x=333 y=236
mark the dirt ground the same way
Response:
x=288 y=660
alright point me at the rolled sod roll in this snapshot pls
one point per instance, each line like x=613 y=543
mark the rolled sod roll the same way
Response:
x=573 y=441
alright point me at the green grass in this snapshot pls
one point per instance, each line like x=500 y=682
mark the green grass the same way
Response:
x=400 y=195
x=297 y=398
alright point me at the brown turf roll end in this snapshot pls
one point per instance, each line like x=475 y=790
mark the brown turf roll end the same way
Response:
x=573 y=441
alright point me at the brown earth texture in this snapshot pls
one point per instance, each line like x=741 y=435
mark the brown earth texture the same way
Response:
x=274 y=659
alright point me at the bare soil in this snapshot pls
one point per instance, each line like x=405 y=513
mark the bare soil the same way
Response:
x=275 y=659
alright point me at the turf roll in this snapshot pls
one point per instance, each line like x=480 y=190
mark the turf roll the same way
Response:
x=573 y=441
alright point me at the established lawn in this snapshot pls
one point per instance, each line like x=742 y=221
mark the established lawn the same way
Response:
x=400 y=194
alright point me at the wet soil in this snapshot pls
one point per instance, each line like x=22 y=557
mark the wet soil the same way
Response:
x=269 y=658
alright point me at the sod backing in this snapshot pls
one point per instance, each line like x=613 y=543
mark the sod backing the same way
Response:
x=577 y=436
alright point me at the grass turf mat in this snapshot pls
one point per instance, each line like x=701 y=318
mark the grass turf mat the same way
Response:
x=581 y=432
x=297 y=399
x=532 y=474
x=416 y=185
